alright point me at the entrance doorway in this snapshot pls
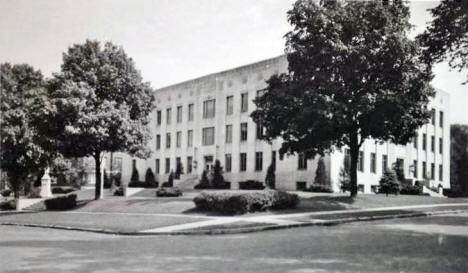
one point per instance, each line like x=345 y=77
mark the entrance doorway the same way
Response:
x=208 y=162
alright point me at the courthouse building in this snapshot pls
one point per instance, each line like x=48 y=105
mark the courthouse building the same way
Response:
x=206 y=119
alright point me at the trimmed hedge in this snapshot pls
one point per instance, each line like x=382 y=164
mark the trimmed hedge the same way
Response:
x=319 y=188
x=224 y=186
x=251 y=185
x=61 y=190
x=411 y=190
x=8 y=205
x=6 y=193
x=231 y=203
x=61 y=203
x=142 y=184
x=169 y=192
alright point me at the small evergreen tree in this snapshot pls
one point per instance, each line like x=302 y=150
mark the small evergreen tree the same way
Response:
x=218 y=179
x=179 y=170
x=345 y=178
x=135 y=175
x=321 y=173
x=170 y=180
x=150 y=181
x=389 y=183
x=204 y=182
x=107 y=181
x=270 y=178
x=399 y=172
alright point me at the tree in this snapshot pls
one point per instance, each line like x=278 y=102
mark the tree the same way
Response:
x=270 y=178
x=459 y=159
x=446 y=37
x=97 y=104
x=389 y=183
x=398 y=168
x=218 y=179
x=349 y=79
x=321 y=173
x=179 y=170
x=22 y=155
x=150 y=180
x=344 y=176
x=135 y=175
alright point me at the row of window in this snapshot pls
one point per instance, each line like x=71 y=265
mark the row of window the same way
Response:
x=441 y=118
x=424 y=170
x=209 y=109
x=433 y=144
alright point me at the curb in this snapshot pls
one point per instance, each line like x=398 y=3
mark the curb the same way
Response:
x=316 y=222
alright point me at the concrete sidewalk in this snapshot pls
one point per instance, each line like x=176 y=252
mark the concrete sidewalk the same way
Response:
x=133 y=223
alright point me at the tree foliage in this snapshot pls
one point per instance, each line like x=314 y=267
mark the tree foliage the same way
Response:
x=446 y=37
x=459 y=158
x=218 y=179
x=389 y=183
x=98 y=103
x=353 y=74
x=270 y=179
x=321 y=177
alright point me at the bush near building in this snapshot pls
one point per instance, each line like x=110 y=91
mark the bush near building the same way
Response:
x=60 y=190
x=119 y=192
x=61 y=203
x=411 y=190
x=6 y=193
x=251 y=185
x=232 y=203
x=169 y=192
x=216 y=180
x=150 y=180
x=389 y=183
x=319 y=188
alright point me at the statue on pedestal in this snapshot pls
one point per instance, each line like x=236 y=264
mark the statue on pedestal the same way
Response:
x=45 y=184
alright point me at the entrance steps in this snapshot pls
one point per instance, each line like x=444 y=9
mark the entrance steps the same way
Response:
x=187 y=181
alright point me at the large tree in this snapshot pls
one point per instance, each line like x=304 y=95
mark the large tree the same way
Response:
x=97 y=104
x=22 y=155
x=353 y=74
x=446 y=37
x=459 y=158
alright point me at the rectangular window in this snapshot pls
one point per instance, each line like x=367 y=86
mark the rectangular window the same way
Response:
x=177 y=162
x=179 y=114
x=209 y=109
x=258 y=161
x=157 y=166
x=244 y=102
x=441 y=119
x=441 y=172
x=373 y=162
x=415 y=168
x=441 y=145
x=228 y=133
x=243 y=162
x=301 y=162
x=189 y=138
x=361 y=161
x=432 y=143
x=190 y=112
x=424 y=142
x=243 y=132
x=189 y=164
x=260 y=130
x=433 y=117
x=384 y=163
x=415 y=141
x=168 y=140
x=228 y=162
x=424 y=169
x=168 y=115
x=158 y=142
x=168 y=165
x=178 y=139
x=432 y=171
x=229 y=105
x=208 y=136
x=158 y=117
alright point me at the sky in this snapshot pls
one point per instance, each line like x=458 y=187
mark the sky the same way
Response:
x=174 y=40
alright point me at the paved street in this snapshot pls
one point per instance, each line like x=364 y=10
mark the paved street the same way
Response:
x=423 y=244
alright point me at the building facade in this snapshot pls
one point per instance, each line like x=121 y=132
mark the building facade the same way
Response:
x=206 y=119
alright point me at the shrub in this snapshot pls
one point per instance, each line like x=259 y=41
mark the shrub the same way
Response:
x=179 y=170
x=204 y=182
x=6 y=193
x=251 y=185
x=116 y=179
x=136 y=184
x=169 y=192
x=150 y=180
x=319 y=188
x=135 y=176
x=119 y=192
x=107 y=181
x=411 y=190
x=232 y=203
x=321 y=173
x=60 y=190
x=8 y=205
x=61 y=203
x=170 y=180
x=389 y=183
x=270 y=178
x=218 y=179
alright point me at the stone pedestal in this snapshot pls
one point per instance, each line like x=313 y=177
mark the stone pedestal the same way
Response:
x=45 y=185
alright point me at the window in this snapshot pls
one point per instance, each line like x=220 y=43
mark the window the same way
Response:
x=302 y=162
x=361 y=161
x=384 y=163
x=168 y=115
x=158 y=117
x=158 y=142
x=229 y=105
x=177 y=162
x=373 y=162
x=178 y=139
x=228 y=162
x=441 y=172
x=441 y=145
x=400 y=162
x=244 y=102
x=189 y=164
x=208 y=136
x=301 y=185
x=415 y=141
x=189 y=138
x=260 y=130
x=258 y=161
x=209 y=109
x=441 y=119
x=167 y=165
x=168 y=140
x=433 y=118
x=424 y=169
x=432 y=143
x=415 y=168
x=228 y=133
x=243 y=133
x=179 y=114
x=243 y=162
x=190 y=112
x=432 y=171
x=157 y=166
x=424 y=142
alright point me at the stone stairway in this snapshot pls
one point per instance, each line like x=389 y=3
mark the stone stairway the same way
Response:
x=432 y=193
x=187 y=181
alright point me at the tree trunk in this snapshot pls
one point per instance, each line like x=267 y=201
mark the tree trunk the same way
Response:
x=97 y=159
x=354 y=151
